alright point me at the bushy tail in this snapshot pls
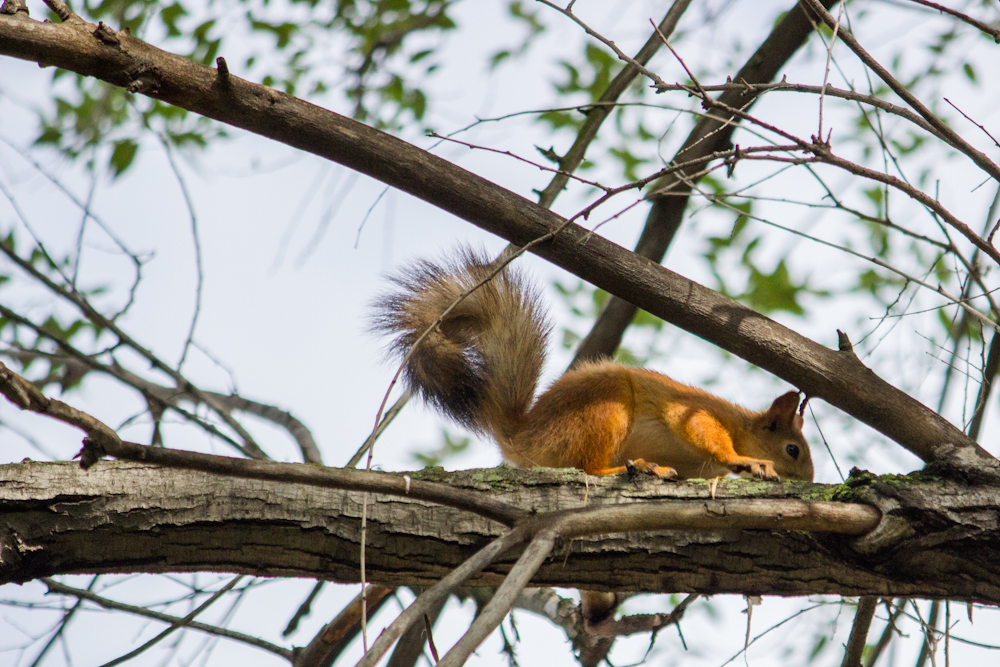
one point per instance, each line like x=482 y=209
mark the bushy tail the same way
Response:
x=481 y=365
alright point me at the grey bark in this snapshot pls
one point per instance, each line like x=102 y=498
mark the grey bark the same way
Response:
x=936 y=538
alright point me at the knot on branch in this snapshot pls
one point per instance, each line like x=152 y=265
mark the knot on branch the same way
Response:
x=143 y=81
x=14 y=7
x=92 y=452
x=929 y=525
x=106 y=35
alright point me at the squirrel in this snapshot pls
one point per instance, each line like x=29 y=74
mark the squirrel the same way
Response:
x=481 y=365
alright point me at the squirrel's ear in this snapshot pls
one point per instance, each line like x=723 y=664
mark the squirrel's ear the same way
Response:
x=784 y=410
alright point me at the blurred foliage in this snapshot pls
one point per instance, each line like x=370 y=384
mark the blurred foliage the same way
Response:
x=450 y=446
x=379 y=71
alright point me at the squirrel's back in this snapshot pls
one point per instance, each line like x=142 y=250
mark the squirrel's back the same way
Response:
x=481 y=364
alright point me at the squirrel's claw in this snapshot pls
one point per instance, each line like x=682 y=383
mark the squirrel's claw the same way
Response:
x=647 y=468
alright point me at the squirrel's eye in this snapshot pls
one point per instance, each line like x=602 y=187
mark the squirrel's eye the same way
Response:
x=793 y=451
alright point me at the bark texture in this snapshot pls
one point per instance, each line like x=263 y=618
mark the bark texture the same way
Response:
x=936 y=538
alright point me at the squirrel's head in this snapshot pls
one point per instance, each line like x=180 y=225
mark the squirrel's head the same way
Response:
x=781 y=429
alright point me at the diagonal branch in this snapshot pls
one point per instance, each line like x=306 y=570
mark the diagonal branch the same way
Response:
x=503 y=601
x=985 y=27
x=438 y=592
x=673 y=191
x=859 y=631
x=838 y=377
x=606 y=104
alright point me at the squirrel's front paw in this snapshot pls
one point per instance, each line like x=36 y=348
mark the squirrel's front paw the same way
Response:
x=647 y=468
x=758 y=469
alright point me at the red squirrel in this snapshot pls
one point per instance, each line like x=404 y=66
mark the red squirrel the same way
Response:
x=481 y=364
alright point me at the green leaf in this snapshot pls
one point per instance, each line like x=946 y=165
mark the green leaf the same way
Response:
x=498 y=58
x=170 y=15
x=775 y=291
x=122 y=157
x=449 y=448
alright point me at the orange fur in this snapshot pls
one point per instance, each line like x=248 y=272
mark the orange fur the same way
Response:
x=480 y=365
x=603 y=415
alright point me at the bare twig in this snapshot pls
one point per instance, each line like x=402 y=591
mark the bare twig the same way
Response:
x=569 y=162
x=887 y=632
x=304 y=609
x=985 y=27
x=81 y=594
x=979 y=125
x=249 y=445
x=387 y=418
x=176 y=625
x=953 y=138
x=568 y=12
x=120 y=373
x=828 y=91
x=196 y=242
x=64 y=621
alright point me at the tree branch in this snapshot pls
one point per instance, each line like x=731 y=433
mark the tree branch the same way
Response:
x=671 y=194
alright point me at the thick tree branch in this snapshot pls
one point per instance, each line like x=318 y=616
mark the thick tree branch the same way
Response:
x=837 y=377
x=934 y=539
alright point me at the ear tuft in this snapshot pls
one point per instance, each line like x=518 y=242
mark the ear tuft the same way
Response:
x=784 y=409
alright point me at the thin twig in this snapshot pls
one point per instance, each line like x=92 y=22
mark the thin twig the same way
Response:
x=568 y=12
x=985 y=27
x=604 y=105
x=978 y=157
x=81 y=594
x=250 y=447
x=198 y=264
x=979 y=125
x=826 y=90
x=176 y=625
